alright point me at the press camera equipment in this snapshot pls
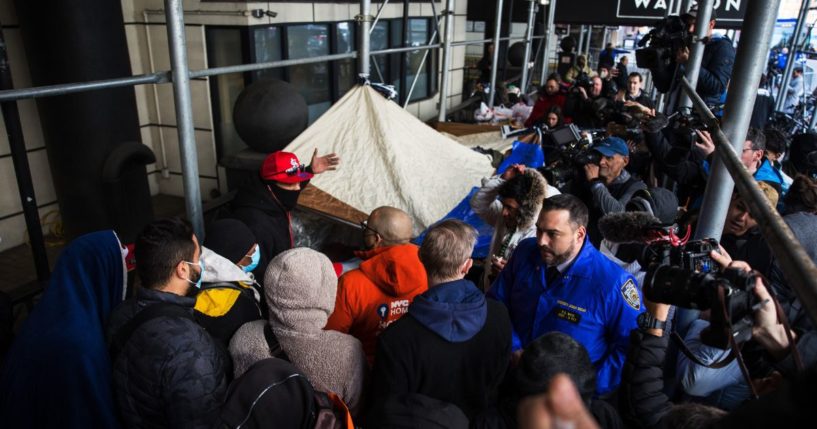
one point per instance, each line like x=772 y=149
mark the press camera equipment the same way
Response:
x=679 y=252
x=572 y=151
x=667 y=36
x=727 y=294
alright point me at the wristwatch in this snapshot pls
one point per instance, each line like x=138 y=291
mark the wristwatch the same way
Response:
x=646 y=321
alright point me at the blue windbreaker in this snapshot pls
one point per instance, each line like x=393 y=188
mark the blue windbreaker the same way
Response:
x=596 y=302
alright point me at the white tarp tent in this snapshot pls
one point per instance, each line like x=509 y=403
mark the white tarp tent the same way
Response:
x=388 y=158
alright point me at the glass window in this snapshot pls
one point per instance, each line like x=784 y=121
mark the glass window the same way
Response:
x=346 y=69
x=267 y=41
x=380 y=41
x=418 y=36
x=311 y=80
x=224 y=48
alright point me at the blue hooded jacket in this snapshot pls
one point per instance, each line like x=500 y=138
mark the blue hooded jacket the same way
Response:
x=595 y=301
x=456 y=310
x=58 y=373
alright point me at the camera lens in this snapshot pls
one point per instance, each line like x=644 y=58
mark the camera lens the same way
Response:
x=677 y=286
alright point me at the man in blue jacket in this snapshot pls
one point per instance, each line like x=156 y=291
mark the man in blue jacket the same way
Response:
x=559 y=282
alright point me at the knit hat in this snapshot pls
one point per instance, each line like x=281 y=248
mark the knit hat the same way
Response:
x=230 y=238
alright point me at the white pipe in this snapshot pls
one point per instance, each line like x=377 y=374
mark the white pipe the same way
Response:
x=165 y=168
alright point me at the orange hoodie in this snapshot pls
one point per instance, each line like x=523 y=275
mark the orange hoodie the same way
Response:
x=373 y=296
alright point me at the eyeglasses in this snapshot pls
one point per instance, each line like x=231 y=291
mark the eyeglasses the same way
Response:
x=365 y=225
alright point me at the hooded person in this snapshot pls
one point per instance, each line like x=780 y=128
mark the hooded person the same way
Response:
x=228 y=298
x=380 y=291
x=300 y=287
x=58 y=373
x=264 y=203
x=510 y=202
x=454 y=345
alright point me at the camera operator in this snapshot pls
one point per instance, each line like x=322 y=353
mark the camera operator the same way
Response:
x=609 y=87
x=716 y=64
x=611 y=185
x=642 y=402
x=579 y=70
x=584 y=102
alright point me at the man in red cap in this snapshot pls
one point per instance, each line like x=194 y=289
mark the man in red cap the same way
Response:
x=264 y=205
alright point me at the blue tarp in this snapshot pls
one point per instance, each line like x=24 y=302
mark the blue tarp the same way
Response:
x=523 y=153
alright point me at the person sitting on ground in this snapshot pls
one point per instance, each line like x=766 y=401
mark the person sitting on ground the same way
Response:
x=558 y=281
x=157 y=385
x=228 y=296
x=264 y=204
x=379 y=292
x=58 y=373
x=510 y=203
x=454 y=344
x=300 y=288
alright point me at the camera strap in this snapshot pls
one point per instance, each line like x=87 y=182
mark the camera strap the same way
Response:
x=716 y=365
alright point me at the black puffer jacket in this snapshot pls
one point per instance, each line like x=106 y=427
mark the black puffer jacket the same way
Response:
x=642 y=404
x=170 y=372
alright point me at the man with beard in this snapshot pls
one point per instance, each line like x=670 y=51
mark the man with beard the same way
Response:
x=265 y=203
x=558 y=281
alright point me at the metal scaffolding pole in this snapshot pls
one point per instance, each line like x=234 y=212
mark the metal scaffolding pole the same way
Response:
x=523 y=82
x=22 y=171
x=580 y=45
x=184 y=115
x=449 y=31
x=587 y=43
x=364 y=22
x=797 y=266
x=696 y=54
x=813 y=122
x=425 y=56
x=495 y=56
x=548 y=36
x=795 y=38
x=749 y=64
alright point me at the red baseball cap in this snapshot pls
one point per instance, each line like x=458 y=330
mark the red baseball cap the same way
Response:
x=284 y=167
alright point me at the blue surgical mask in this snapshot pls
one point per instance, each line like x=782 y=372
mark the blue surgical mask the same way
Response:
x=255 y=258
x=197 y=282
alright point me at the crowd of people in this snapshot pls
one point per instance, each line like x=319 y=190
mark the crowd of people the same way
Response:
x=553 y=330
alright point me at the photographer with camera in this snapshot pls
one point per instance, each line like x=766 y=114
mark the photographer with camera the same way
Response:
x=611 y=185
x=668 y=53
x=585 y=101
x=580 y=70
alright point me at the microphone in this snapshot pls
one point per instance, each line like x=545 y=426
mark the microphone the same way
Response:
x=629 y=227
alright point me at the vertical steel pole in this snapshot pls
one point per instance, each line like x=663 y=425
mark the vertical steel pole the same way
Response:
x=184 y=115
x=580 y=46
x=749 y=64
x=22 y=171
x=364 y=21
x=587 y=41
x=696 y=54
x=548 y=36
x=449 y=31
x=795 y=38
x=523 y=83
x=813 y=122
x=495 y=56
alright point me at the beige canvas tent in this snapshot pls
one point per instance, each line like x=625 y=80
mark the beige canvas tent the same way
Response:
x=388 y=157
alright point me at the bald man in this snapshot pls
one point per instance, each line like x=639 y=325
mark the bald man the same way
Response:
x=379 y=292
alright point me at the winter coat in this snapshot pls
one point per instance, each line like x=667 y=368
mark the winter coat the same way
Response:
x=543 y=104
x=454 y=346
x=227 y=298
x=57 y=372
x=642 y=403
x=378 y=293
x=266 y=218
x=715 y=72
x=595 y=301
x=487 y=206
x=300 y=287
x=170 y=373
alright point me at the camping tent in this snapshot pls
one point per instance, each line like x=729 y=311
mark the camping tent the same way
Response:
x=388 y=157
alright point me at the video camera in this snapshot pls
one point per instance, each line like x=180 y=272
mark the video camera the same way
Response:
x=667 y=36
x=727 y=294
x=572 y=151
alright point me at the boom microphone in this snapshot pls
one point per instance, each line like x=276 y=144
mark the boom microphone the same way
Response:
x=629 y=227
